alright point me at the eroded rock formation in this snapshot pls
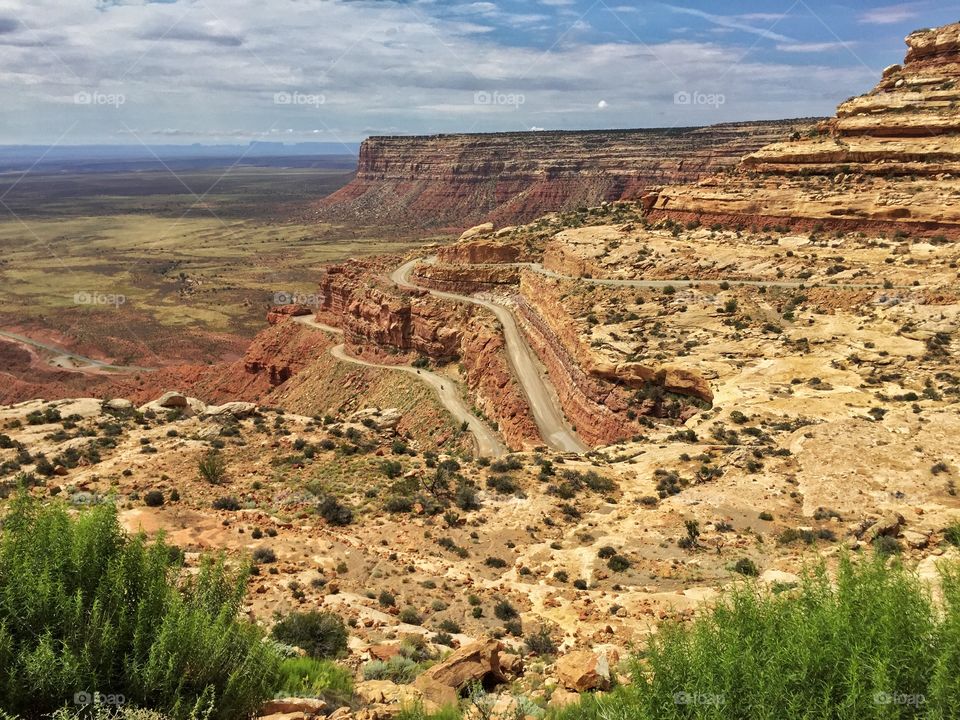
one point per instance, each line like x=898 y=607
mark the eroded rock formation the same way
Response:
x=886 y=161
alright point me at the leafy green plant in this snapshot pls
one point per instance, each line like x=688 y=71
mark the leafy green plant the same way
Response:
x=867 y=643
x=308 y=677
x=320 y=634
x=85 y=607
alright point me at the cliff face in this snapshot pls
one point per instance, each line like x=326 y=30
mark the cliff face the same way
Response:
x=886 y=161
x=460 y=180
x=379 y=319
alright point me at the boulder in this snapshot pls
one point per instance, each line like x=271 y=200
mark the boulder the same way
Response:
x=916 y=540
x=477 y=231
x=238 y=410
x=889 y=525
x=583 y=670
x=172 y=400
x=472 y=663
x=310 y=707
x=511 y=664
x=435 y=694
x=561 y=698
x=380 y=692
x=118 y=404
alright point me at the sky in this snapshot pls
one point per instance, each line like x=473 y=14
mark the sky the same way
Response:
x=233 y=71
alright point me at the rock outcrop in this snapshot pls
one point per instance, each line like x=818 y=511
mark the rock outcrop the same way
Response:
x=463 y=180
x=887 y=161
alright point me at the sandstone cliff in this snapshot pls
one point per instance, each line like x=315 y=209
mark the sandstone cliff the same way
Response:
x=460 y=180
x=886 y=161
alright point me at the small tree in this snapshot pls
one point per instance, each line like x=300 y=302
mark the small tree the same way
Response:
x=320 y=634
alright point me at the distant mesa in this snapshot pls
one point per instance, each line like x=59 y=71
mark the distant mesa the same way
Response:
x=457 y=181
x=889 y=159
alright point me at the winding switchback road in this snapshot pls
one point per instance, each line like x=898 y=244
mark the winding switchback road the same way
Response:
x=541 y=397
x=487 y=441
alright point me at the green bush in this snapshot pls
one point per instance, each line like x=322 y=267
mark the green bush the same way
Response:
x=320 y=634
x=307 y=677
x=870 y=645
x=85 y=607
x=211 y=468
x=399 y=669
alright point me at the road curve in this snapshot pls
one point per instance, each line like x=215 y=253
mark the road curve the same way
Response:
x=542 y=399
x=62 y=353
x=487 y=442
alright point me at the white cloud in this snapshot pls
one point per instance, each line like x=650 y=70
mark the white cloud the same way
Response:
x=191 y=70
x=815 y=47
x=891 y=14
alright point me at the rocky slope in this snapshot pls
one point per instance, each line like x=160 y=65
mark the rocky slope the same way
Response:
x=460 y=180
x=887 y=161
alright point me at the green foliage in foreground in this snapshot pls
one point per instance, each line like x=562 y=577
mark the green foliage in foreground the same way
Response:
x=306 y=677
x=86 y=608
x=870 y=646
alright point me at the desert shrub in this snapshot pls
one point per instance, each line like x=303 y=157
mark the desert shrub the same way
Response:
x=618 y=563
x=952 y=534
x=503 y=610
x=335 y=512
x=226 y=502
x=264 y=555
x=746 y=566
x=495 y=562
x=860 y=647
x=212 y=468
x=386 y=599
x=442 y=638
x=410 y=616
x=85 y=606
x=400 y=669
x=540 y=642
x=154 y=498
x=307 y=677
x=321 y=634
x=448 y=625
x=606 y=552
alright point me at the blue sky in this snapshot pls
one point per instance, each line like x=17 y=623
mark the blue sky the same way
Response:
x=227 y=71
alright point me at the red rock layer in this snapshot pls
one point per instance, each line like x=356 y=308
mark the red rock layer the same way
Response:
x=461 y=180
x=385 y=321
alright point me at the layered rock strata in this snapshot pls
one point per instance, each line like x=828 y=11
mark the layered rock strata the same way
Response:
x=461 y=180
x=887 y=161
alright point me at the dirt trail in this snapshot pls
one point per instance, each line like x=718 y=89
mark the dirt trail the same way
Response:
x=487 y=441
x=66 y=360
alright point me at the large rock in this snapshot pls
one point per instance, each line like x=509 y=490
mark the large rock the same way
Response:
x=237 y=410
x=477 y=231
x=889 y=525
x=172 y=399
x=311 y=707
x=583 y=670
x=477 y=662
